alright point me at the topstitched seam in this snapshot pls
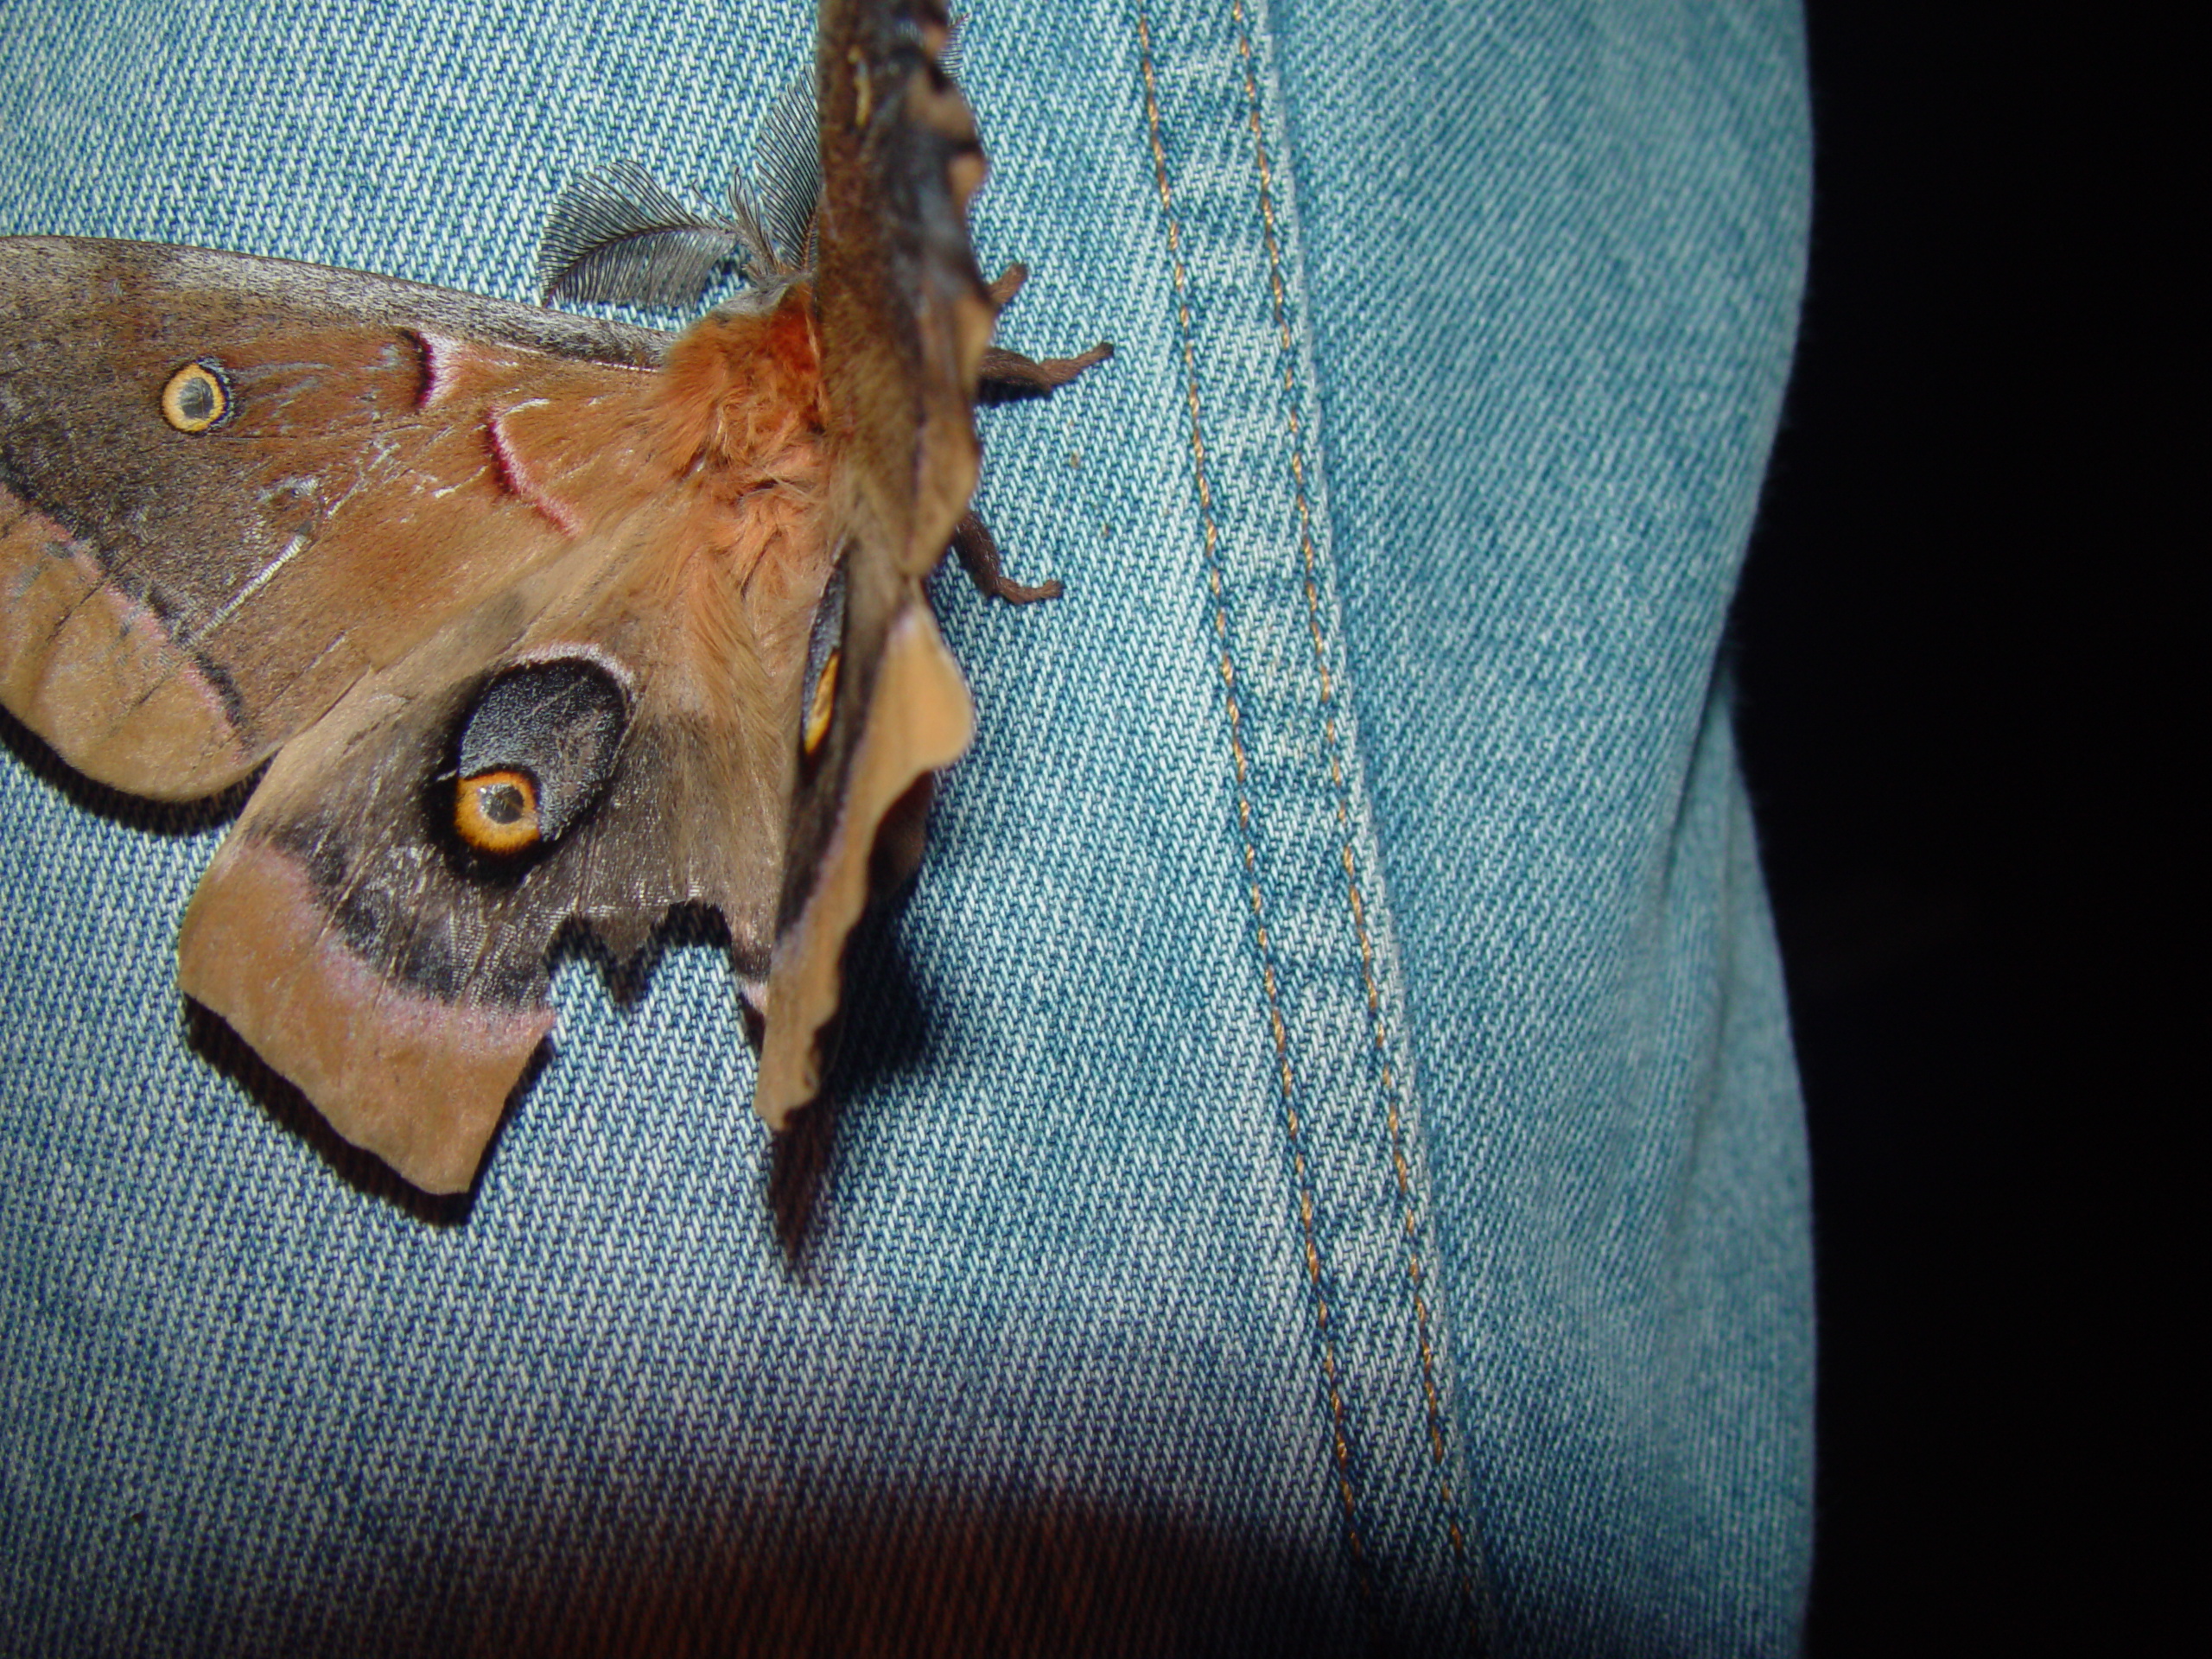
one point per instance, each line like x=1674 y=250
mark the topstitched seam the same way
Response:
x=1340 y=1449
x=1392 y=1089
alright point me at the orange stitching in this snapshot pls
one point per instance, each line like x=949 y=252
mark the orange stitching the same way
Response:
x=1415 y=1271
x=1339 y=1446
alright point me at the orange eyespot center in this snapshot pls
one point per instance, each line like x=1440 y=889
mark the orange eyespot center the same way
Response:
x=496 y=813
x=195 y=399
x=825 y=701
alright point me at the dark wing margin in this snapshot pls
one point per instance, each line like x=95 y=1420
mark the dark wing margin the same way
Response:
x=906 y=319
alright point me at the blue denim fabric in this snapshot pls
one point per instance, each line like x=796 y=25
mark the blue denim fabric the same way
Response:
x=1322 y=1163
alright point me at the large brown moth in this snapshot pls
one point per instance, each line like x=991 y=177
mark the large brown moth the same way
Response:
x=535 y=620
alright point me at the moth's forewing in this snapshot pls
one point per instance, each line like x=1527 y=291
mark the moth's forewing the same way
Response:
x=193 y=582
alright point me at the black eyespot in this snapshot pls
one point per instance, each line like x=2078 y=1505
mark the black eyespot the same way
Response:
x=536 y=750
x=505 y=800
x=197 y=397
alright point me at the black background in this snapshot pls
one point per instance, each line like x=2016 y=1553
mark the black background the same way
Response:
x=1956 y=569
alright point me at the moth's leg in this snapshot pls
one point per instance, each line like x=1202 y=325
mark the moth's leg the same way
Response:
x=979 y=556
x=1007 y=375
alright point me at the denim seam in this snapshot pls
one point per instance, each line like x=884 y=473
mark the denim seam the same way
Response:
x=1392 y=1089
x=1340 y=1449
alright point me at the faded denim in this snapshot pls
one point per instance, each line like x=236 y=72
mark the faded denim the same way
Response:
x=1322 y=1166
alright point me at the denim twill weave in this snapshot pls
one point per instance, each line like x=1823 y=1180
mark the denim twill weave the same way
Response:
x=1323 y=1165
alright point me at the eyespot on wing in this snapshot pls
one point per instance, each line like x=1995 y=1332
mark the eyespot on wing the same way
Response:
x=535 y=751
x=197 y=397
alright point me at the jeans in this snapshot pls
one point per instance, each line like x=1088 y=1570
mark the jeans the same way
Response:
x=1321 y=1162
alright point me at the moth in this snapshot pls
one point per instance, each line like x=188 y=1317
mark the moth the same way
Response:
x=537 y=621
